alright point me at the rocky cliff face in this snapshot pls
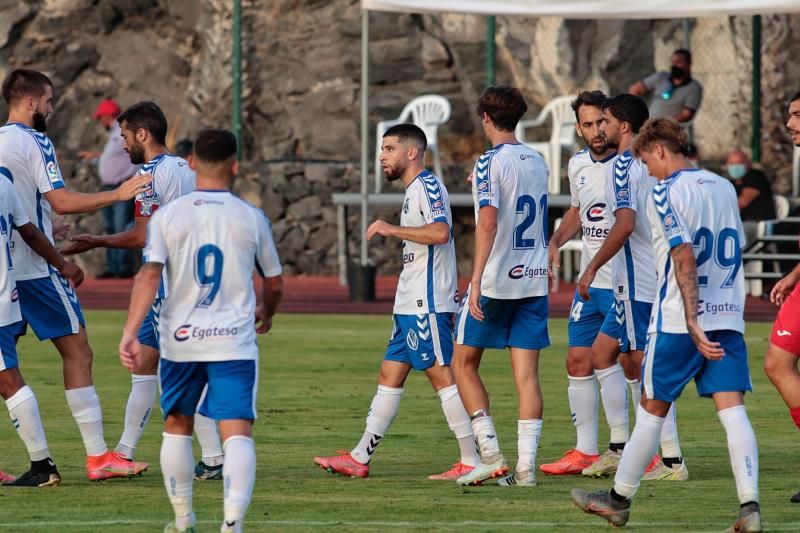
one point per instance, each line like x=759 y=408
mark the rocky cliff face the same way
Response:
x=301 y=86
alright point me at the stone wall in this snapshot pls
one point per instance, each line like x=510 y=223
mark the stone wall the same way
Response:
x=301 y=86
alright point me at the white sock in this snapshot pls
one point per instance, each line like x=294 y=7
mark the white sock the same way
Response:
x=24 y=411
x=85 y=407
x=208 y=437
x=636 y=393
x=486 y=437
x=239 y=475
x=177 y=466
x=140 y=405
x=458 y=420
x=583 y=402
x=381 y=415
x=638 y=453
x=670 y=443
x=614 y=393
x=528 y=432
x=743 y=450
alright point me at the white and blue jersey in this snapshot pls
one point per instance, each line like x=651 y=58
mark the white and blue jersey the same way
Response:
x=210 y=243
x=429 y=280
x=587 y=188
x=698 y=207
x=28 y=159
x=513 y=179
x=12 y=214
x=172 y=178
x=633 y=269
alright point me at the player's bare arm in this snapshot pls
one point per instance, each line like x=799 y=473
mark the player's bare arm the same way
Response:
x=271 y=294
x=623 y=226
x=134 y=238
x=784 y=287
x=686 y=276
x=66 y=202
x=145 y=288
x=433 y=233
x=569 y=226
x=40 y=244
x=485 y=233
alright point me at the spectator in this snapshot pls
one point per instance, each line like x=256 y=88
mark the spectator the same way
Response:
x=756 y=202
x=674 y=94
x=693 y=155
x=114 y=167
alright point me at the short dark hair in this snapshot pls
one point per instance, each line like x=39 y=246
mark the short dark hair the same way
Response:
x=590 y=98
x=628 y=108
x=665 y=131
x=687 y=55
x=505 y=106
x=24 y=82
x=408 y=132
x=183 y=148
x=147 y=116
x=795 y=97
x=215 y=146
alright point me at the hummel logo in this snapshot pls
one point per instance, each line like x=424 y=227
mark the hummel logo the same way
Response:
x=373 y=443
x=783 y=333
x=230 y=524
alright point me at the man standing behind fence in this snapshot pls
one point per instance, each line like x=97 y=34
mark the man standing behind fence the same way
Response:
x=675 y=93
x=114 y=167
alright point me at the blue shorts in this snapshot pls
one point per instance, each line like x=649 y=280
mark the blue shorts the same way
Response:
x=50 y=306
x=231 y=395
x=148 y=333
x=420 y=340
x=671 y=360
x=8 y=346
x=518 y=323
x=628 y=322
x=586 y=317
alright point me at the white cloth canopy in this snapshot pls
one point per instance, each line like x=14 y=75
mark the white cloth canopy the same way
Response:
x=590 y=9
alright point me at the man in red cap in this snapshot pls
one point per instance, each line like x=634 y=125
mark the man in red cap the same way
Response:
x=114 y=167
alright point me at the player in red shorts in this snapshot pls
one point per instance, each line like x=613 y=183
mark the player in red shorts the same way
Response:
x=781 y=360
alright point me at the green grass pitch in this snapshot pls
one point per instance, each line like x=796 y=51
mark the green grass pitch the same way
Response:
x=318 y=376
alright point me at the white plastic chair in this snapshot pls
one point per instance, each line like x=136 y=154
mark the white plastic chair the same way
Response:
x=796 y=171
x=559 y=112
x=427 y=111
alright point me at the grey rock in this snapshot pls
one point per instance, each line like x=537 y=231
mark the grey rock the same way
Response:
x=305 y=209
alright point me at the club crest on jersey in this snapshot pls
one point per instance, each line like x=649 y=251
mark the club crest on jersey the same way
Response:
x=596 y=213
x=183 y=332
x=411 y=340
x=52 y=171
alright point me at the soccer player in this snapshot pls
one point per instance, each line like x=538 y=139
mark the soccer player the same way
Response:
x=587 y=172
x=426 y=301
x=506 y=303
x=696 y=329
x=20 y=399
x=143 y=128
x=780 y=363
x=629 y=249
x=47 y=301
x=210 y=243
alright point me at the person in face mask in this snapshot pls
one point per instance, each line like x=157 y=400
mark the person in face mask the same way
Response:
x=752 y=189
x=675 y=93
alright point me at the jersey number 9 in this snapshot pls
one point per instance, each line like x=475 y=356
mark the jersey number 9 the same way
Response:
x=208 y=272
